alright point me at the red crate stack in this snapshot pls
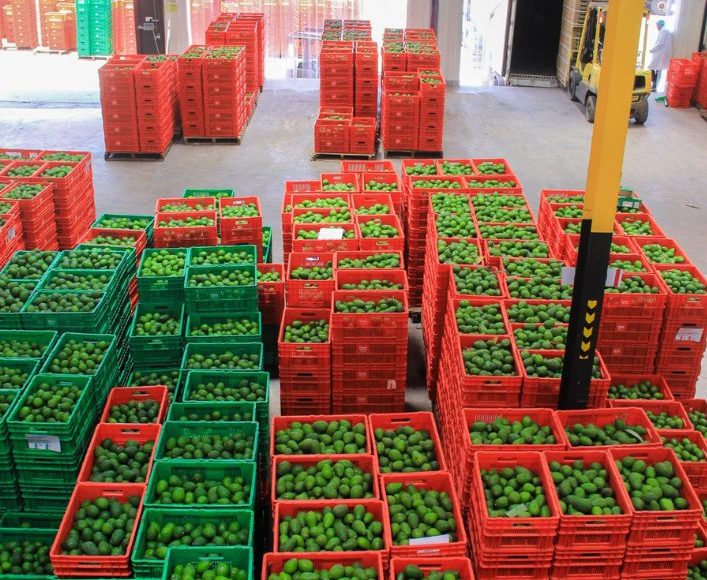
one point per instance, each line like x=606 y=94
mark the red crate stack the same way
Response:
x=432 y=97
x=118 y=103
x=36 y=205
x=332 y=130
x=24 y=23
x=369 y=353
x=156 y=95
x=124 y=41
x=74 y=203
x=10 y=228
x=683 y=77
x=683 y=338
x=60 y=30
x=310 y=280
x=271 y=292
x=244 y=229
x=246 y=32
x=191 y=91
x=172 y=229
x=336 y=74
x=700 y=92
x=224 y=89
x=400 y=115
x=509 y=547
x=366 y=79
x=305 y=367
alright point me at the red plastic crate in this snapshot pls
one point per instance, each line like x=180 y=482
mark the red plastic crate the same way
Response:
x=515 y=534
x=633 y=379
x=683 y=72
x=363 y=201
x=194 y=203
x=123 y=395
x=637 y=305
x=362 y=254
x=273 y=563
x=656 y=562
x=373 y=166
x=587 y=565
x=309 y=293
x=353 y=327
x=685 y=307
x=304 y=356
x=95 y=566
x=347 y=276
x=280 y=423
x=418 y=421
x=324 y=212
x=696 y=470
x=118 y=434
x=436 y=481
x=323 y=244
x=34 y=163
x=271 y=295
x=601 y=417
x=365 y=463
x=299 y=404
x=470 y=179
x=174 y=237
x=632 y=217
x=641 y=241
x=396 y=243
x=341 y=178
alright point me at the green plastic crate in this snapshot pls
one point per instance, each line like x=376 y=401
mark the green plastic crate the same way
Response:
x=4 y=270
x=252 y=349
x=43 y=339
x=47 y=500
x=29 y=521
x=153 y=568
x=239 y=556
x=28 y=366
x=196 y=253
x=267 y=247
x=217 y=193
x=136 y=221
x=157 y=350
x=162 y=289
x=215 y=294
x=200 y=428
x=195 y=411
x=197 y=319
x=15 y=320
x=211 y=470
x=122 y=267
x=48 y=282
x=69 y=321
x=10 y=498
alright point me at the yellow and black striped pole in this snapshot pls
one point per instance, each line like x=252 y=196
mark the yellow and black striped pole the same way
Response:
x=618 y=67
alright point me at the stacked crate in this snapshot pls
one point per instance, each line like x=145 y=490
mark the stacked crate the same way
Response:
x=224 y=89
x=24 y=23
x=683 y=77
x=365 y=79
x=700 y=93
x=336 y=74
x=432 y=97
x=241 y=222
x=246 y=32
x=156 y=99
x=10 y=229
x=94 y=27
x=124 y=41
x=191 y=91
x=184 y=222
x=60 y=30
x=119 y=104
x=400 y=111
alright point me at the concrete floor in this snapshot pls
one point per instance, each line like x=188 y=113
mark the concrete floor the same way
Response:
x=539 y=131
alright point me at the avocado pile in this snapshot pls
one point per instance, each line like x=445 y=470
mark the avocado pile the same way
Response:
x=234 y=389
x=539 y=287
x=336 y=437
x=24 y=191
x=436 y=184
x=491 y=183
x=450 y=203
x=491 y=168
x=547 y=336
x=25 y=558
x=518 y=248
x=91 y=259
x=484 y=319
x=21 y=348
x=632 y=285
x=205 y=569
x=682 y=282
x=79 y=357
x=698 y=420
x=115 y=463
x=327 y=479
x=531 y=268
x=77 y=282
x=273 y=276
x=149 y=378
x=325 y=272
x=697 y=571
x=659 y=254
x=584 y=489
x=185 y=207
x=6 y=400
x=368 y=306
x=124 y=241
x=49 y=403
x=304 y=569
x=338 y=528
x=457 y=252
x=652 y=487
x=124 y=222
x=63 y=302
x=491 y=357
x=329 y=186
x=372 y=284
x=212 y=279
x=616 y=433
x=101 y=527
x=665 y=420
x=405 y=450
x=476 y=282
x=518 y=215
x=416 y=512
x=14 y=295
x=160 y=537
x=548 y=366
x=641 y=390
x=298 y=331
x=335 y=216
x=514 y=492
x=508 y=231
x=374 y=261
x=211 y=413
x=12 y=377
x=375 y=228
x=235 y=445
x=146 y=411
x=243 y=210
x=636 y=227
x=538 y=313
x=227 y=360
x=628 y=265
x=157 y=324
x=413 y=572
x=502 y=431
x=456 y=168
x=29 y=265
x=197 y=488
x=303 y=234
x=569 y=211
x=218 y=256
x=421 y=168
x=373 y=185
x=187 y=222
x=685 y=449
x=321 y=203
x=455 y=225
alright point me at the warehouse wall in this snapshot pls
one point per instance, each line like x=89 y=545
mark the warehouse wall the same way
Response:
x=686 y=36
x=419 y=14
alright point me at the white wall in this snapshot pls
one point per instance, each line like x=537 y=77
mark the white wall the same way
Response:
x=686 y=36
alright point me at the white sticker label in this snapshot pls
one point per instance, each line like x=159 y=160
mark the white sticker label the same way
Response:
x=331 y=234
x=442 y=539
x=689 y=334
x=44 y=443
x=392 y=385
x=613 y=276
x=636 y=435
x=516 y=510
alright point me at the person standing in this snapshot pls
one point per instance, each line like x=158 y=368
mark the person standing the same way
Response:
x=661 y=52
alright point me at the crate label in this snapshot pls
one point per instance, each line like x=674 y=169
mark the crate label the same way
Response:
x=636 y=435
x=629 y=202
x=392 y=385
x=331 y=234
x=516 y=510
x=44 y=443
x=441 y=539
x=688 y=334
x=312 y=259
x=613 y=276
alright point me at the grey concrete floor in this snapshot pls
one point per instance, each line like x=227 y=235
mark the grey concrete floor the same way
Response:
x=539 y=131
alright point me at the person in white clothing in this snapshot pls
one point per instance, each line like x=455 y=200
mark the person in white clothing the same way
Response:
x=661 y=52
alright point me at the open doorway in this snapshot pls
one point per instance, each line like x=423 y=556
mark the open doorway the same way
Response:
x=483 y=41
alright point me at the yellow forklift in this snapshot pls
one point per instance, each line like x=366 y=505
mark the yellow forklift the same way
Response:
x=583 y=84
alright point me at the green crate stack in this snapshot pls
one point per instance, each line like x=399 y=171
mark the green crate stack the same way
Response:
x=267 y=244
x=15 y=373
x=94 y=27
x=151 y=565
x=162 y=287
x=224 y=328
x=217 y=193
x=125 y=221
x=166 y=377
x=26 y=344
x=214 y=411
x=29 y=265
x=30 y=538
x=9 y=491
x=221 y=298
x=156 y=349
x=47 y=455
x=23 y=521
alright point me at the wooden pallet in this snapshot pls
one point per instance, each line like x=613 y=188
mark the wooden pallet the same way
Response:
x=367 y=156
x=46 y=50
x=137 y=156
x=221 y=140
x=412 y=153
x=94 y=56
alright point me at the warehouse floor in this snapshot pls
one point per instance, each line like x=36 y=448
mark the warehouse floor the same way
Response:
x=539 y=131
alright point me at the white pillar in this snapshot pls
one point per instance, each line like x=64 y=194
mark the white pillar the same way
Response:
x=449 y=38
